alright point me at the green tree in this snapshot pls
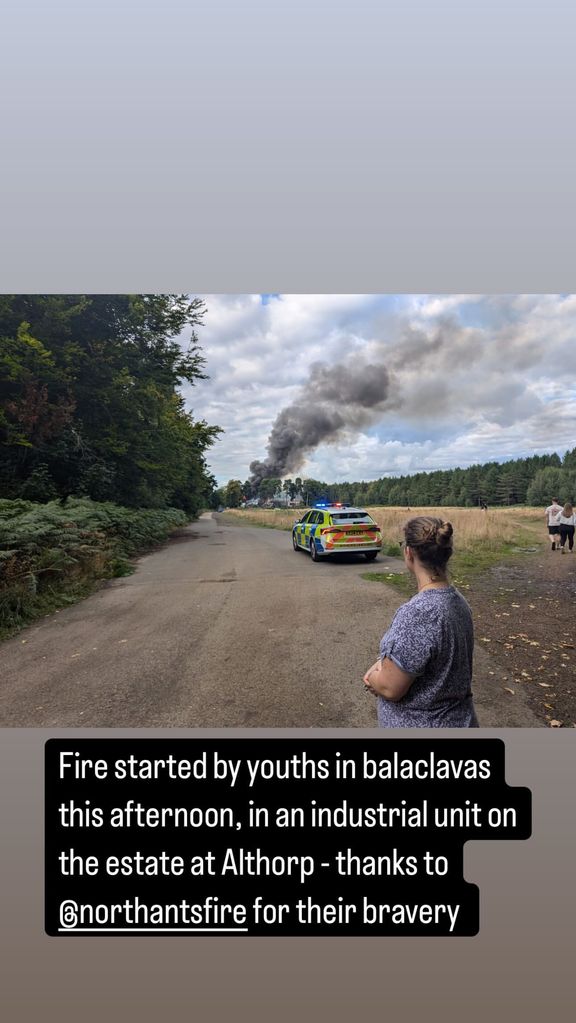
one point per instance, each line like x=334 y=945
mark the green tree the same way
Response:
x=289 y=488
x=472 y=486
x=233 y=494
x=313 y=490
x=490 y=484
x=551 y=482
x=268 y=488
x=90 y=396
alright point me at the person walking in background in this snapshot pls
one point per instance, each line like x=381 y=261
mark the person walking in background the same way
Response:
x=423 y=677
x=565 y=522
x=551 y=513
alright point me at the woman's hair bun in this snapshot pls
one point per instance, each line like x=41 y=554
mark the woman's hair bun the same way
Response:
x=444 y=533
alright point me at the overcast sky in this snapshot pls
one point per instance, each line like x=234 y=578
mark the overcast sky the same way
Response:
x=470 y=378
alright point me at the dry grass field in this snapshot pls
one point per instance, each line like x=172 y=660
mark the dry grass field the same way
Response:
x=472 y=526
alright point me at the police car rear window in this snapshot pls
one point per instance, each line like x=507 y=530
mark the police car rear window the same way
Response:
x=349 y=517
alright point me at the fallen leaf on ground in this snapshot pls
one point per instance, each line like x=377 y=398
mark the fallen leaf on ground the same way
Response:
x=555 y=724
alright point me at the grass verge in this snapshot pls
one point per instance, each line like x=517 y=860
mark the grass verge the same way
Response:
x=465 y=565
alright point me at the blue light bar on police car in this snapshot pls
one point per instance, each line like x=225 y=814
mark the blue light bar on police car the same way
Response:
x=330 y=504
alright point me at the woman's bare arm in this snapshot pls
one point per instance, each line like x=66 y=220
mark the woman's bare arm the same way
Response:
x=386 y=679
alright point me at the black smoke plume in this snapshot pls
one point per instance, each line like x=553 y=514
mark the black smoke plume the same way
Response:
x=348 y=396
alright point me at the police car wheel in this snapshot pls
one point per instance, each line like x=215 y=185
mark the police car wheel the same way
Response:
x=371 y=555
x=294 y=542
x=313 y=552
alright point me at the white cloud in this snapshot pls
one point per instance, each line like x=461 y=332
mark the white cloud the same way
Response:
x=474 y=377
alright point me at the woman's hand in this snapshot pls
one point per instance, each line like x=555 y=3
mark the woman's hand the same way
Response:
x=369 y=688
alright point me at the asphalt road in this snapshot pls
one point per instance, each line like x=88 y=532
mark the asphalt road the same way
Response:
x=225 y=626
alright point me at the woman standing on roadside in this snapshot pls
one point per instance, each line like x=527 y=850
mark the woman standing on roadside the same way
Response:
x=566 y=521
x=423 y=678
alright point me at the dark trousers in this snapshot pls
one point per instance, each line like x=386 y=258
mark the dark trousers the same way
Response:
x=567 y=533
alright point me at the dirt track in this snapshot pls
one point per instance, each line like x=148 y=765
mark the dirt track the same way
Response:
x=225 y=626
x=524 y=614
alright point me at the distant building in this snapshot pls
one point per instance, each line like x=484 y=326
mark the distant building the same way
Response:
x=279 y=500
x=283 y=500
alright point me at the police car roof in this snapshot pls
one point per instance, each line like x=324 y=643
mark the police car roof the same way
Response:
x=336 y=508
x=350 y=510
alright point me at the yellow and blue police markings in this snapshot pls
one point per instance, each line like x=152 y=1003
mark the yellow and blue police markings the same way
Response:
x=330 y=528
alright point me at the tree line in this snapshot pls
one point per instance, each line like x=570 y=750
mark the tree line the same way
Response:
x=531 y=481
x=90 y=402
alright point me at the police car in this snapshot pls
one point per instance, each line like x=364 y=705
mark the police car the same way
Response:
x=333 y=528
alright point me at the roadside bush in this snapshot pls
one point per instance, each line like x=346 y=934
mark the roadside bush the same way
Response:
x=53 y=553
x=39 y=486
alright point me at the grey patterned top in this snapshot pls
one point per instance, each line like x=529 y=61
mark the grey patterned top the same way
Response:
x=432 y=637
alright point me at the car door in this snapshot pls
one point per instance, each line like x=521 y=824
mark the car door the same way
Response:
x=312 y=525
x=322 y=521
x=301 y=529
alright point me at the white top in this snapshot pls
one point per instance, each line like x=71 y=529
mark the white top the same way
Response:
x=565 y=520
x=552 y=513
